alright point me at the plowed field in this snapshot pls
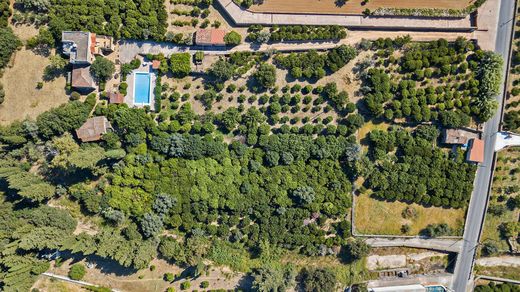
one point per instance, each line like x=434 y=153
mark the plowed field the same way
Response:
x=351 y=6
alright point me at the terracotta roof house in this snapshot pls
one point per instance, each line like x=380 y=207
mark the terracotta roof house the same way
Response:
x=93 y=129
x=458 y=136
x=210 y=37
x=156 y=64
x=81 y=46
x=81 y=78
x=475 y=151
x=116 y=98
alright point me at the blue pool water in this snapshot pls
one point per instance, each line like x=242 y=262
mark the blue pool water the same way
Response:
x=142 y=88
x=435 y=289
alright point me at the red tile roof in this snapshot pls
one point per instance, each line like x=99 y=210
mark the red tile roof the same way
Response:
x=210 y=37
x=476 y=151
x=92 y=43
x=93 y=129
x=81 y=77
x=156 y=64
x=116 y=97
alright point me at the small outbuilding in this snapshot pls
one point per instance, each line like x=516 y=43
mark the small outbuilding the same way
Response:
x=475 y=152
x=210 y=37
x=93 y=129
x=156 y=64
x=116 y=98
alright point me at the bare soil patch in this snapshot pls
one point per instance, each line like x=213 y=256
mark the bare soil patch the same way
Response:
x=22 y=98
x=350 y=7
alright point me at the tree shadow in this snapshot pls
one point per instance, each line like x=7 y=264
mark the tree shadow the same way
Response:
x=245 y=283
x=106 y=266
x=340 y=3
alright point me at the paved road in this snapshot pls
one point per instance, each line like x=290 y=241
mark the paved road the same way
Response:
x=478 y=203
x=450 y=245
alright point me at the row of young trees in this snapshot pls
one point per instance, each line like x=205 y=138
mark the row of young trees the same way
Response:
x=313 y=65
x=256 y=33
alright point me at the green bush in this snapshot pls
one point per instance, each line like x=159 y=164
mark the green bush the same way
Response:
x=77 y=272
x=185 y=285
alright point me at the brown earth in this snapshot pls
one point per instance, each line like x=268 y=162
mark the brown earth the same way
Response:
x=350 y=7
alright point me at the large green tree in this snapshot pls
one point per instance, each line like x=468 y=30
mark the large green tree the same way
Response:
x=102 y=68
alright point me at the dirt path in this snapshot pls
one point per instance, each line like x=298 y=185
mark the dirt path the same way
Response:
x=509 y=261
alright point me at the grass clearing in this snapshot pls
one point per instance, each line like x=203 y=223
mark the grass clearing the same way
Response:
x=22 y=98
x=346 y=273
x=507 y=272
x=366 y=129
x=380 y=217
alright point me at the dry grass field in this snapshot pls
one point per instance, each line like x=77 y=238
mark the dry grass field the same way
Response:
x=379 y=217
x=350 y=7
x=22 y=98
x=107 y=274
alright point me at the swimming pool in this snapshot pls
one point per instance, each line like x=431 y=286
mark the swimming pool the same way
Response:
x=142 y=88
x=435 y=289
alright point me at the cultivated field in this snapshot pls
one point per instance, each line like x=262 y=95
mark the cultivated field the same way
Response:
x=379 y=217
x=22 y=98
x=505 y=186
x=350 y=7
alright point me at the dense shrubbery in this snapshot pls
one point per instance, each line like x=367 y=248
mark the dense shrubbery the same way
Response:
x=277 y=189
x=296 y=33
x=5 y=12
x=420 y=173
x=315 y=65
x=9 y=42
x=138 y=19
x=180 y=64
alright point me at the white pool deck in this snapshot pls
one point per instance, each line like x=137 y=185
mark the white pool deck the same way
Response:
x=146 y=67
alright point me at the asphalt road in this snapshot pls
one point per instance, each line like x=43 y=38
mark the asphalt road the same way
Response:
x=477 y=205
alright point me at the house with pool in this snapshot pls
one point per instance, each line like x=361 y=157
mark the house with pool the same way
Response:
x=141 y=84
